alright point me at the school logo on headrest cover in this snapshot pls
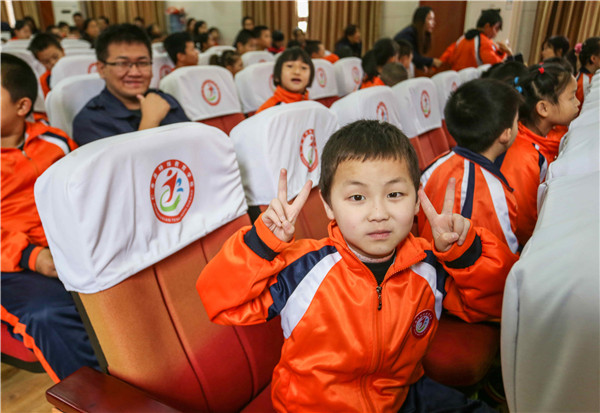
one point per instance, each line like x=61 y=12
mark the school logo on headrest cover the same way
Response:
x=211 y=92
x=425 y=103
x=355 y=75
x=422 y=323
x=171 y=191
x=382 y=112
x=164 y=70
x=308 y=150
x=321 y=77
x=93 y=67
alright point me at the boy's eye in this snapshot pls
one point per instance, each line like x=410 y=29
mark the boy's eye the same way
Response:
x=356 y=197
x=395 y=194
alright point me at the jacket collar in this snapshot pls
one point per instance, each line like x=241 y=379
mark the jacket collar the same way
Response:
x=286 y=96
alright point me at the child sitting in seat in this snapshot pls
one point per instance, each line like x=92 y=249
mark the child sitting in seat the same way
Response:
x=549 y=100
x=384 y=51
x=293 y=73
x=589 y=57
x=360 y=307
x=229 y=59
x=482 y=117
x=47 y=50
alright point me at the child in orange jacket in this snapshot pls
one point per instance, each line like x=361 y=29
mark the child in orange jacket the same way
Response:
x=384 y=51
x=47 y=50
x=360 y=307
x=589 y=57
x=293 y=73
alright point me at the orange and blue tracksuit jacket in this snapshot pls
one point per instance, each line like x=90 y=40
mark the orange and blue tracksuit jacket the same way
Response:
x=45 y=82
x=22 y=234
x=282 y=96
x=525 y=165
x=584 y=83
x=350 y=344
x=471 y=50
x=482 y=194
x=375 y=81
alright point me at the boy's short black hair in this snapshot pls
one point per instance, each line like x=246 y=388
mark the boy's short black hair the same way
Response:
x=120 y=33
x=392 y=73
x=42 y=41
x=77 y=14
x=491 y=17
x=62 y=24
x=312 y=46
x=258 y=30
x=404 y=48
x=18 y=78
x=506 y=71
x=175 y=43
x=20 y=24
x=277 y=36
x=292 y=54
x=365 y=140
x=243 y=37
x=479 y=111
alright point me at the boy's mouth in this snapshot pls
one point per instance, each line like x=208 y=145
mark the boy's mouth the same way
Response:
x=383 y=234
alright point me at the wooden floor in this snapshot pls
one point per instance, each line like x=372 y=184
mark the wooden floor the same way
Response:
x=24 y=392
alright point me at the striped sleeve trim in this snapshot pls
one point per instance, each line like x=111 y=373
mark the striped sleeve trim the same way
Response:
x=501 y=208
x=432 y=271
x=25 y=255
x=258 y=246
x=469 y=257
x=57 y=140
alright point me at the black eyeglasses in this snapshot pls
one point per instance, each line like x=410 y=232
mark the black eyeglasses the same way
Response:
x=127 y=65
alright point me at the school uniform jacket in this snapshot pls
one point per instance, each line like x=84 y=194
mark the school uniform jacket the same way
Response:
x=584 y=83
x=471 y=50
x=350 y=346
x=525 y=166
x=45 y=82
x=22 y=234
x=482 y=194
x=375 y=81
x=282 y=96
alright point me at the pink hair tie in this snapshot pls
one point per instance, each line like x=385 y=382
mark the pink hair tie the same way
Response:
x=541 y=69
x=577 y=48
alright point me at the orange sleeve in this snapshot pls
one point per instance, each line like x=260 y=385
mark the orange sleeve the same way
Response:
x=44 y=83
x=17 y=252
x=488 y=54
x=446 y=57
x=332 y=58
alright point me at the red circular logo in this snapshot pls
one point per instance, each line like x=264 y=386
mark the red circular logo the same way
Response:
x=93 y=67
x=164 y=70
x=211 y=92
x=355 y=75
x=171 y=191
x=382 y=112
x=425 y=103
x=321 y=77
x=422 y=323
x=308 y=150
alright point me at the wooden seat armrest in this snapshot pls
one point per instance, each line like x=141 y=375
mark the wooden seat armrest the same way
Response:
x=88 y=390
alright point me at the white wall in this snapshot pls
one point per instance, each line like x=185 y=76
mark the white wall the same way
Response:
x=63 y=11
x=395 y=16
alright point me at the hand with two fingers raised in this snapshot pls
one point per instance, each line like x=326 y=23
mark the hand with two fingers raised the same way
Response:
x=446 y=227
x=280 y=217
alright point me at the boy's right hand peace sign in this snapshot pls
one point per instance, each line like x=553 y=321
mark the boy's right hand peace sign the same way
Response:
x=280 y=216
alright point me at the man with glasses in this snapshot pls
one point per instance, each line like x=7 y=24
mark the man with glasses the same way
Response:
x=126 y=104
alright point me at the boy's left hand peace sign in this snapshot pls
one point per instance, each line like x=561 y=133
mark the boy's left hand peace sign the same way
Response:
x=446 y=227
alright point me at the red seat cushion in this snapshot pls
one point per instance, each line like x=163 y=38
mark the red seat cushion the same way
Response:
x=225 y=123
x=328 y=101
x=449 y=138
x=16 y=354
x=262 y=403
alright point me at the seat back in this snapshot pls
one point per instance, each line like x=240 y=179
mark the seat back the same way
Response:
x=255 y=85
x=20 y=44
x=75 y=44
x=348 y=74
x=158 y=47
x=377 y=103
x=468 y=73
x=290 y=136
x=483 y=68
x=204 y=92
x=258 y=56
x=79 y=51
x=204 y=58
x=70 y=66
x=324 y=84
x=446 y=83
x=161 y=66
x=135 y=261
x=65 y=100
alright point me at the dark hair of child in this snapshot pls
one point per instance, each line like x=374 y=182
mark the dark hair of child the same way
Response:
x=201 y=41
x=590 y=47
x=258 y=30
x=404 y=48
x=489 y=16
x=42 y=41
x=558 y=44
x=366 y=140
x=243 y=37
x=277 y=36
x=382 y=51
x=175 y=43
x=312 y=46
x=506 y=71
x=545 y=82
x=293 y=43
x=393 y=73
x=292 y=54
x=561 y=61
x=197 y=26
x=227 y=58
x=418 y=22
x=18 y=78
x=121 y=33
x=479 y=111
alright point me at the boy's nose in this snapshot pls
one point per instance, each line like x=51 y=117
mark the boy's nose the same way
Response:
x=378 y=212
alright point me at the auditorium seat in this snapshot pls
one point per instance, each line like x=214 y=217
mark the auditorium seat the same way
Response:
x=158 y=47
x=348 y=74
x=446 y=82
x=162 y=65
x=20 y=44
x=70 y=66
x=75 y=51
x=165 y=201
x=289 y=136
x=65 y=100
x=75 y=43
x=255 y=86
x=207 y=94
x=16 y=354
x=258 y=56
x=376 y=103
x=468 y=73
x=483 y=68
x=324 y=86
x=420 y=117
x=204 y=58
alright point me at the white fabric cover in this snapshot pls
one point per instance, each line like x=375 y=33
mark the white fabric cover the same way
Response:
x=282 y=137
x=255 y=85
x=418 y=106
x=96 y=207
x=70 y=66
x=203 y=91
x=38 y=70
x=79 y=51
x=376 y=103
x=468 y=73
x=324 y=84
x=348 y=74
x=158 y=47
x=75 y=44
x=258 y=56
x=483 y=68
x=65 y=100
x=204 y=58
x=446 y=83
x=161 y=66
x=21 y=44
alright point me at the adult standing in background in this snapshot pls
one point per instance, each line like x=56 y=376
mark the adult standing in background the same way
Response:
x=352 y=40
x=418 y=34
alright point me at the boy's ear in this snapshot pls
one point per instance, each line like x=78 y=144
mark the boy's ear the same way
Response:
x=542 y=108
x=100 y=66
x=418 y=203
x=24 y=106
x=505 y=136
x=328 y=209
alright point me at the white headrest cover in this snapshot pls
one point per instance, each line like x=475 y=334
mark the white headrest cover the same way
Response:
x=203 y=91
x=75 y=44
x=288 y=136
x=348 y=74
x=74 y=65
x=118 y=205
x=255 y=85
x=418 y=106
x=324 y=84
x=258 y=56
x=65 y=100
x=162 y=65
x=468 y=73
x=376 y=103
x=446 y=83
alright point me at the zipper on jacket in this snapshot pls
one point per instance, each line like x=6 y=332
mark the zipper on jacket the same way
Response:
x=378 y=289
